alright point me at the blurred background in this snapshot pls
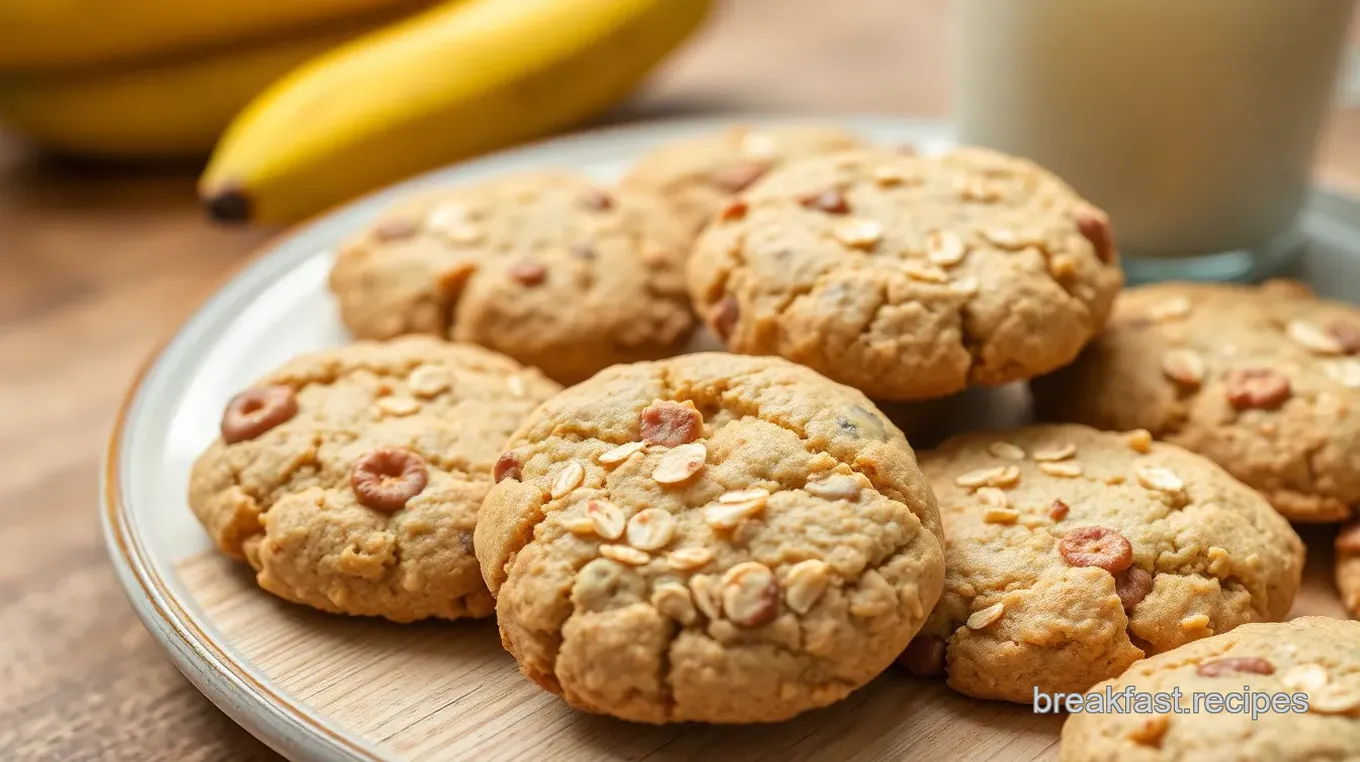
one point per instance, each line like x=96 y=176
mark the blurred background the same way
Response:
x=105 y=247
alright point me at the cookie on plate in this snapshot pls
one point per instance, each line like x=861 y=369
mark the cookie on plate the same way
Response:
x=699 y=175
x=1265 y=381
x=708 y=538
x=1071 y=553
x=548 y=268
x=908 y=277
x=350 y=479
x=1304 y=682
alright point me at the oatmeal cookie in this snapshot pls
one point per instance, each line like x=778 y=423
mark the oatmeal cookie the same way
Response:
x=548 y=268
x=708 y=538
x=1264 y=381
x=350 y=479
x=908 y=277
x=1071 y=553
x=1311 y=662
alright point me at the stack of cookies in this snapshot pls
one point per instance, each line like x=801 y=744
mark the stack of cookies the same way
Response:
x=741 y=537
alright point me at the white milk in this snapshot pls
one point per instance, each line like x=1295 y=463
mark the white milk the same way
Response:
x=1192 y=122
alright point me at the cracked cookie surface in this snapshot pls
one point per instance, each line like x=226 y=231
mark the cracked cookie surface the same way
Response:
x=548 y=268
x=350 y=479
x=698 y=175
x=1265 y=381
x=1316 y=656
x=710 y=538
x=1072 y=552
x=908 y=277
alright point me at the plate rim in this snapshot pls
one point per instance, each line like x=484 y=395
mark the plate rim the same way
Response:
x=284 y=724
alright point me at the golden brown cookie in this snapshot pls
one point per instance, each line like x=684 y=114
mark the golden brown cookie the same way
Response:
x=1071 y=553
x=1263 y=381
x=1304 y=681
x=711 y=538
x=698 y=176
x=547 y=268
x=1347 y=561
x=908 y=277
x=350 y=479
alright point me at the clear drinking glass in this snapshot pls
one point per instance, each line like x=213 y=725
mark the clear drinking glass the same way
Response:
x=1194 y=123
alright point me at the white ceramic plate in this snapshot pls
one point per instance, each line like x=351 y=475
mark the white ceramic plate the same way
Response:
x=276 y=307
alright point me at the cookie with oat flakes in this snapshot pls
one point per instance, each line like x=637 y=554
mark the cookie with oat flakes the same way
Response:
x=909 y=277
x=1265 y=381
x=1071 y=553
x=547 y=267
x=350 y=479
x=1308 y=668
x=709 y=538
x=697 y=176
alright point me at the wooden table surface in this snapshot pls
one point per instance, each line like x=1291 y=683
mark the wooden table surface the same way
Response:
x=99 y=265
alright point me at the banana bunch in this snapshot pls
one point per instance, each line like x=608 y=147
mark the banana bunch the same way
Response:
x=320 y=100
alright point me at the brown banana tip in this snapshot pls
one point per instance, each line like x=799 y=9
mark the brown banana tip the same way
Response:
x=228 y=203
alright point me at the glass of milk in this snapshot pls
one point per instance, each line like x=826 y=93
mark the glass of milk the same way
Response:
x=1192 y=122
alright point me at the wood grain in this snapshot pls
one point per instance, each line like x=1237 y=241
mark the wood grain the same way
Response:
x=99 y=264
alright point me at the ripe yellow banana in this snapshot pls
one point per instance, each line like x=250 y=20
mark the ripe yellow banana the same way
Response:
x=169 y=109
x=455 y=81
x=39 y=34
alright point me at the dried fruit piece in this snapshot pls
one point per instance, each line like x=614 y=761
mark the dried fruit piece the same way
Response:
x=738 y=176
x=983 y=618
x=1096 y=546
x=1347 y=335
x=736 y=209
x=651 y=529
x=386 y=478
x=673 y=600
x=1140 y=440
x=429 y=380
x=725 y=316
x=397 y=406
x=1305 y=677
x=831 y=201
x=1313 y=338
x=836 y=487
x=1184 y=366
x=1006 y=450
x=1095 y=227
x=1148 y=730
x=607 y=519
x=1262 y=388
x=507 y=467
x=624 y=555
x=1132 y=585
x=805 y=583
x=945 y=248
x=670 y=424
x=750 y=594
x=621 y=453
x=888 y=176
x=685 y=559
x=1058 y=510
x=528 y=273
x=680 y=463
x=924 y=656
x=257 y=410
x=568 y=479
x=1160 y=479
x=596 y=200
x=1232 y=665
x=858 y=234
